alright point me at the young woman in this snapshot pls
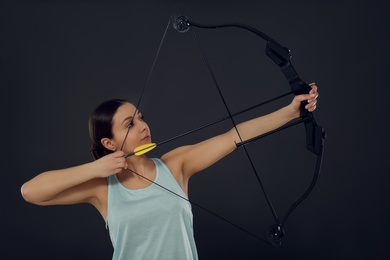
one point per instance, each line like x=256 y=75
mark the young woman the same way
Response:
x=145 y=221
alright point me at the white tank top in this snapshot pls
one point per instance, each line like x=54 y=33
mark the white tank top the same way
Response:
x=150 y=223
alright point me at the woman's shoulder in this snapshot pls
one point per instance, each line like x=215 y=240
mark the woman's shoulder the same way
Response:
x=174 y=160
x=175 y=154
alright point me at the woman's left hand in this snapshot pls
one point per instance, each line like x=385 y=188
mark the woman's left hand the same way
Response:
x=311 y=98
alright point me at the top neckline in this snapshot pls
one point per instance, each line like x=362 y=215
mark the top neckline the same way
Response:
x=141 y=189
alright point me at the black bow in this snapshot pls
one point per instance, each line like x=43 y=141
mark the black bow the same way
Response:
x=315 y=134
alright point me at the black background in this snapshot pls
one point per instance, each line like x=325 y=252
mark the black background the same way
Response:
x=59 y=59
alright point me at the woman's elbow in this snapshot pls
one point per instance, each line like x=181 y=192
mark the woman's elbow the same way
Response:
x=26 y=194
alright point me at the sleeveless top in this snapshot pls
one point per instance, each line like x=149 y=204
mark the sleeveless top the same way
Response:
x=150 y=223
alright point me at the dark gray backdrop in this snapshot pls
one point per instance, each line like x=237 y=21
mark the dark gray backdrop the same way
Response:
x=59 y=59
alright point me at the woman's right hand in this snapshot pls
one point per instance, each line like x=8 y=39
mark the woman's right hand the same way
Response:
x=110 y=164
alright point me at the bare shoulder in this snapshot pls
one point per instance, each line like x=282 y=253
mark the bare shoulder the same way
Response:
x=175 y=153
x=174 y=161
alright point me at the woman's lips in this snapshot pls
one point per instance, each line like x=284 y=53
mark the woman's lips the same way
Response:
x=146 y=138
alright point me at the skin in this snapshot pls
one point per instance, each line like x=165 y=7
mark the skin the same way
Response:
x=87 y=183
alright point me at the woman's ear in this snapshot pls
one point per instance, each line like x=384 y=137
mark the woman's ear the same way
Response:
x=106 y=142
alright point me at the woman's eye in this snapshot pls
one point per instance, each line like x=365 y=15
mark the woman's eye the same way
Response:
x=130 y=125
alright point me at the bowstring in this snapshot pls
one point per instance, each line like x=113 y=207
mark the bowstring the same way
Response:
x=147 y=80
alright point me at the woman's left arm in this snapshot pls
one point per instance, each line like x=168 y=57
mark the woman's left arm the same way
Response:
x=194 y=158
x=269 y=122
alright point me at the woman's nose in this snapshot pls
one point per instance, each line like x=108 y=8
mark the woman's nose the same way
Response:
x=142 y=126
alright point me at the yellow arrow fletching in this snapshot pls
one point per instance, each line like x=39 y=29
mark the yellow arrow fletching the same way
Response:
x=140 y=150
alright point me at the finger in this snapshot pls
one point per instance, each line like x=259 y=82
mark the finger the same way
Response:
x=306 y=97
x=313 y=88
x=119 y=154
x=312 y=100
x=121 y=162
x=311 y=105
x=122 y=165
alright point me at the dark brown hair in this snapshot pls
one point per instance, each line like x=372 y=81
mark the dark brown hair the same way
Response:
x=100 y=125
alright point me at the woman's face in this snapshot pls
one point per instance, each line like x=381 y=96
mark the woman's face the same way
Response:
x=123 y=122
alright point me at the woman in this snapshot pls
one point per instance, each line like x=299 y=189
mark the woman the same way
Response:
x=144 y=219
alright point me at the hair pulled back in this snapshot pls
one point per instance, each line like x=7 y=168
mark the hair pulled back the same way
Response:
x=100 y=125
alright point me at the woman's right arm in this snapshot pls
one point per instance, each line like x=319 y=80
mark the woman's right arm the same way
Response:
x=73 y=185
